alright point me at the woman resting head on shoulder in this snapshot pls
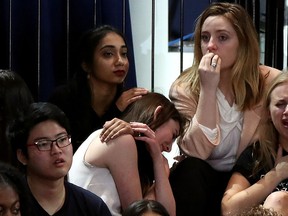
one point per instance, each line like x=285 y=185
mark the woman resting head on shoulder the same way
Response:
x=131 y=167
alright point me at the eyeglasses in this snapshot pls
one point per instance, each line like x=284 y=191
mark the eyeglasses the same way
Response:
x=46 y=145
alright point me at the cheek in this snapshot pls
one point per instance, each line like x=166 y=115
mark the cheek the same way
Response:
x=203 y=48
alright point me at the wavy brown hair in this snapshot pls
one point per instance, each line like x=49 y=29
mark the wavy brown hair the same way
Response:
x=246 y=77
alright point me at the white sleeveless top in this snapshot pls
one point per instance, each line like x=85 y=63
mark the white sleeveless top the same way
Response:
x=95 y=179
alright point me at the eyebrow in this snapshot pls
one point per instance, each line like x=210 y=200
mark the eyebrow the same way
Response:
x=112 y=46
x=44 y=138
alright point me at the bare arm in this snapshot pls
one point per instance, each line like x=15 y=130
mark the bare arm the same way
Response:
x=240 y=194
x=202 y=111
x=123 y=167
x=162 y=188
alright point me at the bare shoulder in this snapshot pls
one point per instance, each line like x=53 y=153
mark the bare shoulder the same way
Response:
x=122 y=144
x=269 y=73
x=100 y=154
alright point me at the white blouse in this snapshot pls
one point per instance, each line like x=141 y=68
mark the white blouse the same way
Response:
x=223 y=157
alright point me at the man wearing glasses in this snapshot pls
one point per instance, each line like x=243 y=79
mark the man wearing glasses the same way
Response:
x=43 y=147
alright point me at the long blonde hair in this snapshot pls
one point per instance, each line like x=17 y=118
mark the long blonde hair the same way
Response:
x=246 y=77
x=268 y=138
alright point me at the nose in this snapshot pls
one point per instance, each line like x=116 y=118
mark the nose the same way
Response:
x=286 y=110
x=120 y=60
x=211 y=44
x=168 y=147
x=55 y=148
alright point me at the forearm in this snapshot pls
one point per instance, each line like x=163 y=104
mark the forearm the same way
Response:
x=194 y=142
x=234 y=202
x=163 y=191
x=206 y=109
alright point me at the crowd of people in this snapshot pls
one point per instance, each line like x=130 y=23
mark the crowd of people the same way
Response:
x=95 y=148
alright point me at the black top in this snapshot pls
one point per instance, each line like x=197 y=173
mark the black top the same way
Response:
x=245 y=164
x=78 y=201
x=75 y=100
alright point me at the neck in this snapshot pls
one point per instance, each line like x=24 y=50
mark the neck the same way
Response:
x=102 y=95
x=283 y=142
x=50 y=194
x=227 y=90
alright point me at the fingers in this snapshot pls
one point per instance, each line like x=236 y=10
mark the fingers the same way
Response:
x=210 y=61
x=215 y=62
x=114 y=128
x=129 y=96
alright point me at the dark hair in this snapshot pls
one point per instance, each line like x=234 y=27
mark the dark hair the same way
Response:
x=18 y=131
x=87 y=45
x=15 y=96
x=11 y=177
x=140 y=207
x=91 y=39
x=143 y=111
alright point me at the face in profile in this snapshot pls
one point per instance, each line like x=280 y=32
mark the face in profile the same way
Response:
x=9 y=201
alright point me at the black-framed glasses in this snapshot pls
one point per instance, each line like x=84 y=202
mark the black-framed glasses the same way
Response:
x=46 y=145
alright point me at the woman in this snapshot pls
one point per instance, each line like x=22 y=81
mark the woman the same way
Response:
x=145 y=208
x=15 y=96
x=220 y=96
x=13 y=193
x=96 y=94
x=127 y=168
x=261 y=172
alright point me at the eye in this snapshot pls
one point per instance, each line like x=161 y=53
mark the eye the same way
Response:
x=124 y=53
x=62 y=139
x=108 y=53
x=43 y=143
x=16 y=211
x=205 y=38
x=223 y=38
x=281 y=105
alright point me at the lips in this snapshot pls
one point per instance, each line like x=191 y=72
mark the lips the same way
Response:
x=59 y=161
x=120 y=73
x=285 y=123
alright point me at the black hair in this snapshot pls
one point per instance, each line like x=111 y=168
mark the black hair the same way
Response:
x=11 y=177
x=91 y=39
x=140 y=207
x=15 y=97
x=18 y=132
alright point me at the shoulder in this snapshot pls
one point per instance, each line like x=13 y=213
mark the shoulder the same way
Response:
x=269 y=73
x=89 y=201
x=121 y=149
x=125 y=140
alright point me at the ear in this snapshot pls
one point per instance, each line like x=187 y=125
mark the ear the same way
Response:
x=157 y=111
x=85 y=67
x=21 y=157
